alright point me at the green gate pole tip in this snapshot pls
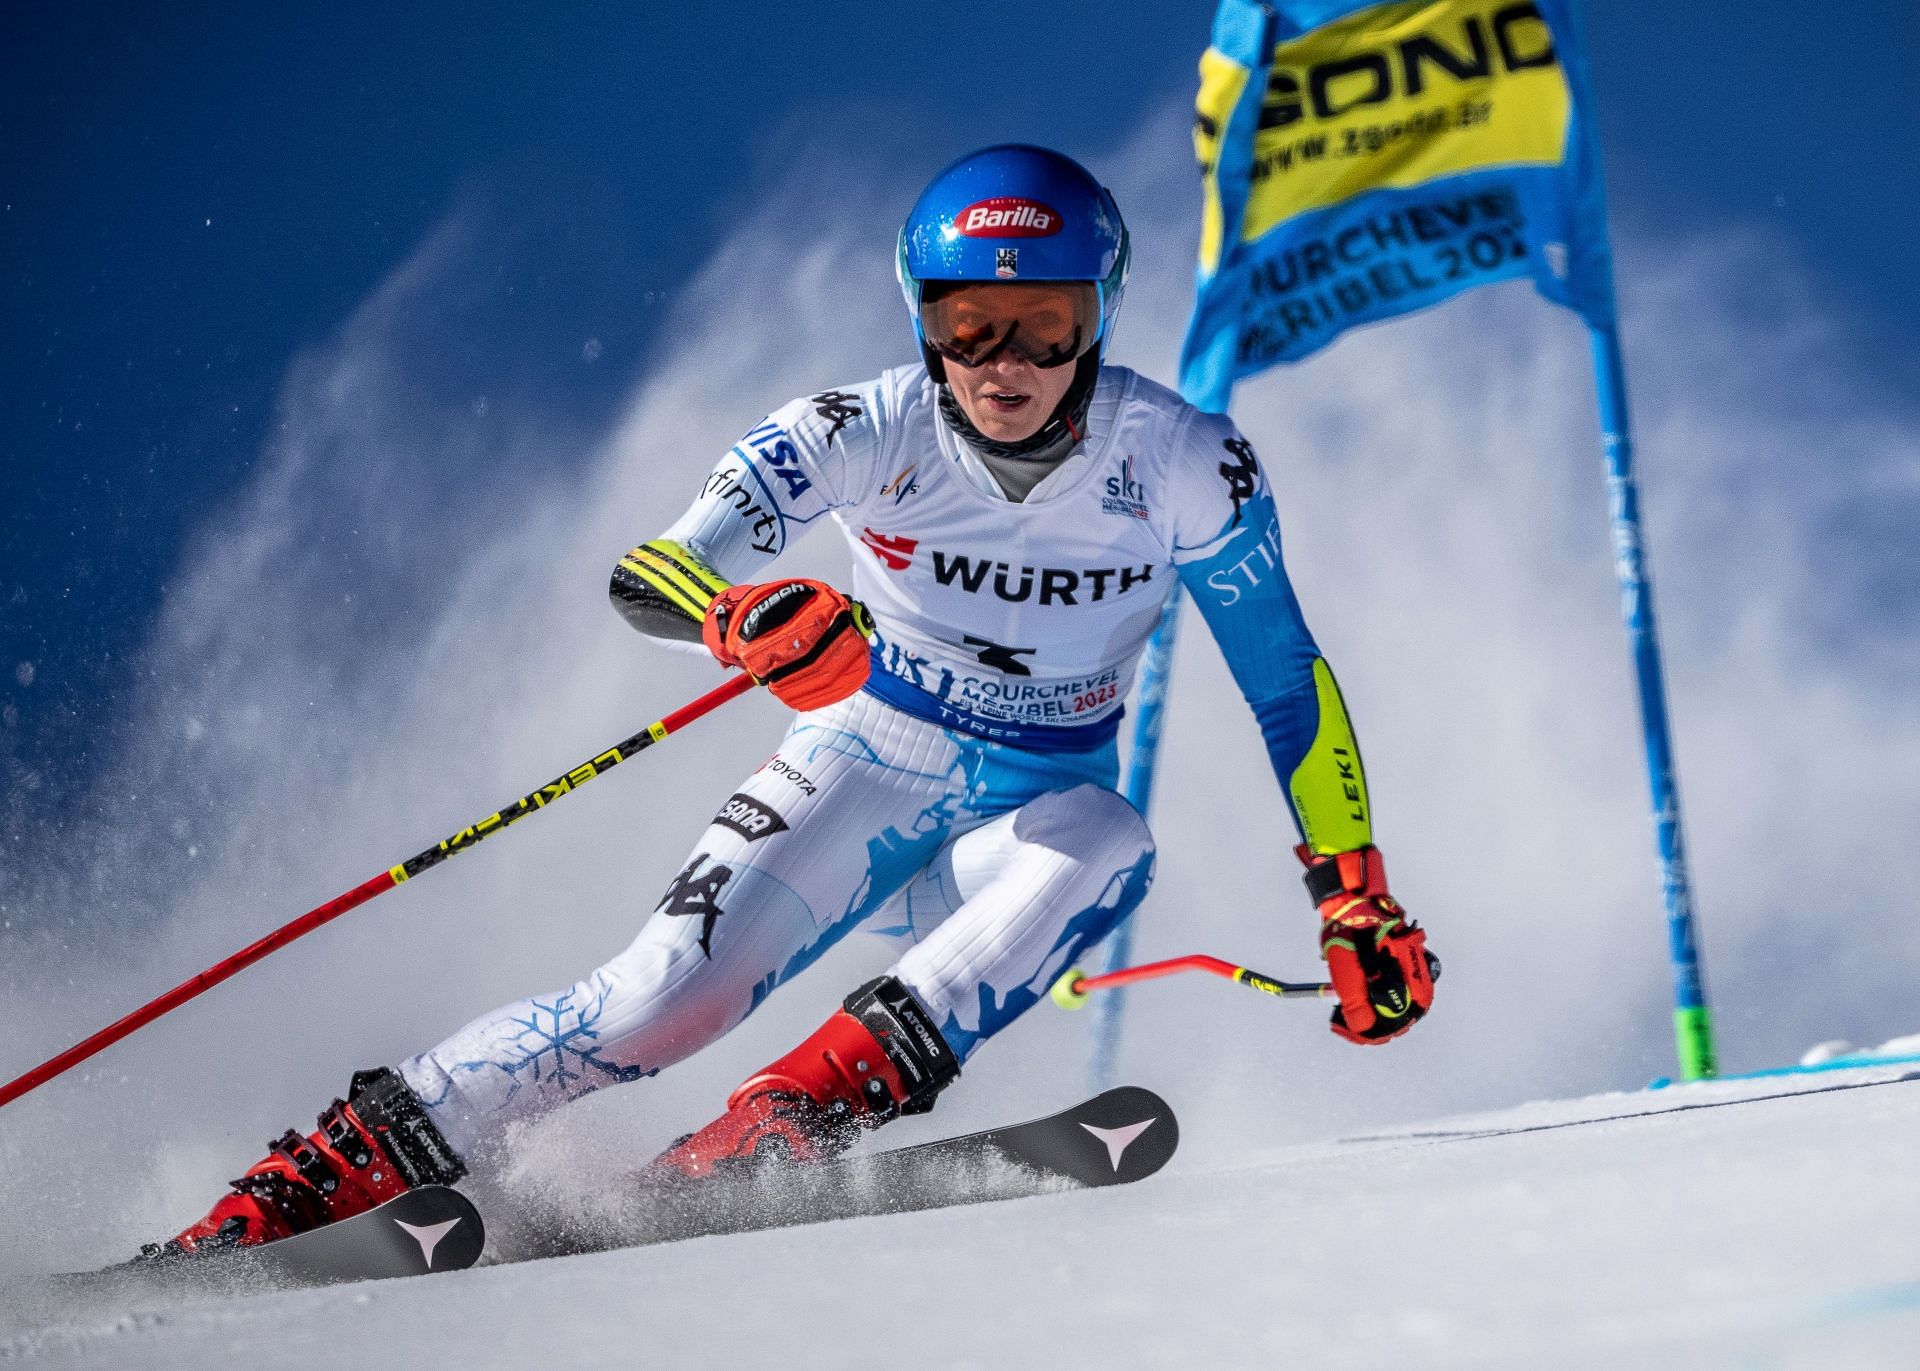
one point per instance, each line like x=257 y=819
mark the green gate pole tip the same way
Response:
x=1693 y=1035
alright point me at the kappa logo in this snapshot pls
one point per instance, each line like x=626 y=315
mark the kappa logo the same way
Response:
x=1007 y=216
x=895 y=554
x=697 y=893
x=748 y=817
x=1118 y=1140
x=428 y=1235
x=1240 y=475
x=837 y=407
x=901 y=486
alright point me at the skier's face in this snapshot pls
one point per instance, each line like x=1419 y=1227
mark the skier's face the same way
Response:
x=1008 y=398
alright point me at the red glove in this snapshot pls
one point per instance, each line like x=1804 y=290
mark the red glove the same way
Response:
x=803 y=640
x=1377 y=957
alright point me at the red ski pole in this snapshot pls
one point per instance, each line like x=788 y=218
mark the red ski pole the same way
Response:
x=1072 y=989
x=527 y=804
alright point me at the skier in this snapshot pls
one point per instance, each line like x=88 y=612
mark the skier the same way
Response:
x=1018 y=513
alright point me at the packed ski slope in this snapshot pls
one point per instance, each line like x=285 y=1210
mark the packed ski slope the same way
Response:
x=1754 y=1223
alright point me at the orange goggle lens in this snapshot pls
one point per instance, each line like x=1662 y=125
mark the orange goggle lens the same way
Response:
x=1046 y=323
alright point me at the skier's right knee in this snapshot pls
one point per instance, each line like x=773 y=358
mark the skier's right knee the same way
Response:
x=1093 y=823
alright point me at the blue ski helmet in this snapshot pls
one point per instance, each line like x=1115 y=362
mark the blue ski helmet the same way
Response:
x=1013 y=212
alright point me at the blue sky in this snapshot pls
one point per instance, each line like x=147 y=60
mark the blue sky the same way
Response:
x=191 y=198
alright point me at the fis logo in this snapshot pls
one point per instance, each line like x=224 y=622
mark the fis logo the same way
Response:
x=895 y=554
x=1125 y=495
x=903 y=485
x=1007 y=216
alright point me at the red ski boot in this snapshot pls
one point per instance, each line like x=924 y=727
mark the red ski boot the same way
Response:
x=374 y=1145
x=878 y=1057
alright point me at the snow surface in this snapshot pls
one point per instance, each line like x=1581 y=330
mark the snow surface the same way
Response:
x=1750 y=1223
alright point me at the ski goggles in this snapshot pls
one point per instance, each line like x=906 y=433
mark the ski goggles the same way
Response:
x=1047 y=323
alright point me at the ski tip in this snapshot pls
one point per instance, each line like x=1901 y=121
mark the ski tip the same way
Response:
x=426 y=1230
x=1119 y=1136
x=441 y=1223
x=1150 y=1125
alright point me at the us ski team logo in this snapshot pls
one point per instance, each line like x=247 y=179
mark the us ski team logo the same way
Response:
x=901 y=486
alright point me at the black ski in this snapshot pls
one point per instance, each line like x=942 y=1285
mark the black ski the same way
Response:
x=1118 y=1137
x=430 y=1228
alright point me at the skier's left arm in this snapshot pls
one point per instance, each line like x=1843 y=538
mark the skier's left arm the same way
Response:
x=1227 y=553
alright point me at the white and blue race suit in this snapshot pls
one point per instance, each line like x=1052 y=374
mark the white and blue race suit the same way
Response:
x=962 y=803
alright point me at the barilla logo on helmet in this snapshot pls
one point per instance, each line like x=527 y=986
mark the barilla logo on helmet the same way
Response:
x=1008 y=216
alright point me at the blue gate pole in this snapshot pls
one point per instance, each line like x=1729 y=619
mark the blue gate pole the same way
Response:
x=1156 y=674
x=1692 y=1021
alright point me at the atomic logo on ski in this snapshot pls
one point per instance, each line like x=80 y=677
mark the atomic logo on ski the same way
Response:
x=1118 y=1140
x=428 y=1235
